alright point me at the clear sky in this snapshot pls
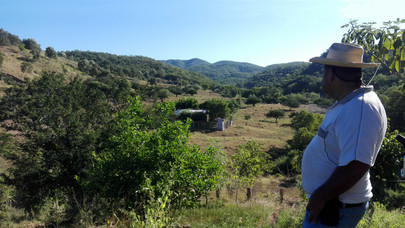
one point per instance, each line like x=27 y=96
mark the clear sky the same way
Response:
x=261 y=32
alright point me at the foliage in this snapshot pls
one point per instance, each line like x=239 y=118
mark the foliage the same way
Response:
x=62 y=123
x=277 y=72
x=216 y=108
x=224 y=72
x=163 y=94
x=395 y=108
x=230 y=91
x=190 y=90
x=269 y=94
x=141 y=151
x=156 y=211
x=187 y=103
x=248 y=163
x=175 y=90
x=253 y=100
x=6 y=192
x=33 y=46
x=306 y=125
x=7 y=39
x=275 y=113
x=323 y=102
x=139 y=67
x=305 y=119
x=234 y=105
x=387 y=168
x=385 y=45
x=26 y=67
x=50 y=53
x=379 y=216
x=291 y=101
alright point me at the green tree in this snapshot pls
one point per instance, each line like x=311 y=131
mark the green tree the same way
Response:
x=216 y=108
x=395 y=108
x=62 y=124
x=234 y=105
x=51 y=53
x=385 y=45
x=163 y=94
x=387 y=170
x=152 y=81
x=175 y=90
x=7 y=39
x=253 y=100
x=306 y=125
x=140 y=151
x=34 y=47
x=305 y=119
x=248 y=163
x=275 y=113
x=190 y=90
x=187 y=103
x=291 y=101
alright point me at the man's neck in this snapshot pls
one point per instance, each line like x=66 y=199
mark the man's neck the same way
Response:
x=344 y=92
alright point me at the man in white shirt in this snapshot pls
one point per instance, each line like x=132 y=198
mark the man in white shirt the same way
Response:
x=335 y=165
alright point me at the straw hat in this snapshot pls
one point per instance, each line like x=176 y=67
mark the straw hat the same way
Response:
x=344 y=55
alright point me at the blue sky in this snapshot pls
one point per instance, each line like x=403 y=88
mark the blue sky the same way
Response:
x=261 y=32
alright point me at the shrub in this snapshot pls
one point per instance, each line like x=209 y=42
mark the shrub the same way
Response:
x=140 y=151
x=26 y=67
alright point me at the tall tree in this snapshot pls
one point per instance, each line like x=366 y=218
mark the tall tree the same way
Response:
x=62 y=123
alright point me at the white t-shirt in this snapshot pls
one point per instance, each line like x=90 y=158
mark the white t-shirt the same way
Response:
x=353 y=129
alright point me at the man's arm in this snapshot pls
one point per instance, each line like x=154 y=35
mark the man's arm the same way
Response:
x=341 y=180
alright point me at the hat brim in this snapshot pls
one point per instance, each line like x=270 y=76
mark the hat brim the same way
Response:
x=331 y=62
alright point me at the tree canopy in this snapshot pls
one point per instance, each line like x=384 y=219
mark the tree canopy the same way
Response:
x=385 y=45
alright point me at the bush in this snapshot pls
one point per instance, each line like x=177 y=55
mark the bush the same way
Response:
x=50 y=53
x=26 y=67
x=187 y=103
x=138 y=155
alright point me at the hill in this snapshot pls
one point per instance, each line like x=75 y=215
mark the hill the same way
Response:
x=224 y=72
x=279 y=72
x=24 y=59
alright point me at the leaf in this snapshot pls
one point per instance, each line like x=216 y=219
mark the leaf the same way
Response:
x=397 y=43
x=397 y=65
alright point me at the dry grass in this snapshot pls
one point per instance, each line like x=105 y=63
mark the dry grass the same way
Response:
x=14 y=57
x=258 y=128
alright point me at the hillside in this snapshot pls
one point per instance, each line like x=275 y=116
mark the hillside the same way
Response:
x=25 y=59
x=224 y=72
x=14 y=59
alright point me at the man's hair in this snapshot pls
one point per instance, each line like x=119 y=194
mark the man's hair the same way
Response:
x=347 y=74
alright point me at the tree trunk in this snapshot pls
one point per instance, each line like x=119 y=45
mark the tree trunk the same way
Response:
x=249 y=193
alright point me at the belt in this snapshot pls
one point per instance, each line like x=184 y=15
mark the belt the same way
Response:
x=347 y=205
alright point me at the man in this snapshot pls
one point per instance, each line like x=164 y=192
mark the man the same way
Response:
x=335 y=165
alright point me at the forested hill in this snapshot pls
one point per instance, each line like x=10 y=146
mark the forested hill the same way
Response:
x=224 y=72
x=274 y=74
x=20 y=59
